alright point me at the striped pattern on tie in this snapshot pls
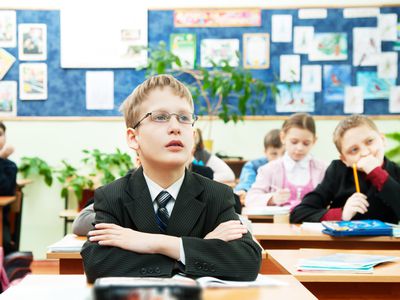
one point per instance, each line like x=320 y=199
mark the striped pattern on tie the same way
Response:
x=162 y=215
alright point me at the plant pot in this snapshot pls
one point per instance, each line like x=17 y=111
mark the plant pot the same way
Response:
x=86 y=195
x=208 y=144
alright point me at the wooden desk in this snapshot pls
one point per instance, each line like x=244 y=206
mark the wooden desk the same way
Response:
x=4 y=200
x=384 y=283
x=75 y=287
x=292 y=236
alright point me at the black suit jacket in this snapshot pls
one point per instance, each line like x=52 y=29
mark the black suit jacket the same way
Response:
x=338 y=185
x=201 y=205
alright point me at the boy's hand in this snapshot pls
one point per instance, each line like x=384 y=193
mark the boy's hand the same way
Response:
x=368 y=163
x=227 y=231
x=6 y=151
x=357 y=203
x=280 y=197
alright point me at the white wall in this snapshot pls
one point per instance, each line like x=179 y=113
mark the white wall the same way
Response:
x=57 y=140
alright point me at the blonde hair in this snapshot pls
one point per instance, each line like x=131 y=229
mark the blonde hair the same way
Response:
x=130 y=108
x=300 y=120
x=349 y=123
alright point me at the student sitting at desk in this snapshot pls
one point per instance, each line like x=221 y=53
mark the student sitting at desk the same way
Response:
x=273 y=149
x=164 y=219
x=286 y=180
x=359 y=142
x=8 y=183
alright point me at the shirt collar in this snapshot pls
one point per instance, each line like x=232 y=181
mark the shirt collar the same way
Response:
x=155 y=189
x=290 y=164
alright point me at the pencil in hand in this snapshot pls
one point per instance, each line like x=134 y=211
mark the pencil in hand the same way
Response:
x=356 y=178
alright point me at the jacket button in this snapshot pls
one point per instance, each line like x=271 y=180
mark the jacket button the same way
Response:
x=157 y=270
x=199 y=267
x=143 y=270
x=150 y=270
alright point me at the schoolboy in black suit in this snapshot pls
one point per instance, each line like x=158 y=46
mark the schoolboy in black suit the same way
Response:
x=143 y=231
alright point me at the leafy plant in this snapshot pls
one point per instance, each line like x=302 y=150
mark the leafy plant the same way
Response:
x=35 y=166
x=394 y=153
x=223 y=91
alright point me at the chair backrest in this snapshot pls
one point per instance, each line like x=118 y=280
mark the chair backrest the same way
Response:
x=4 y=282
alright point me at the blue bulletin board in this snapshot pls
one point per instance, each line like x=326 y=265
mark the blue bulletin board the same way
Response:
x=66 y=87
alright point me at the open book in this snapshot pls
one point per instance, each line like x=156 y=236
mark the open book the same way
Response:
x=344 y=262
x=69 y=243
x=359 y=227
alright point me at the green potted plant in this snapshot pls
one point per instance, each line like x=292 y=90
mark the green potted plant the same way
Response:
x=394 y=153
x=35 y=166
x=222 y=91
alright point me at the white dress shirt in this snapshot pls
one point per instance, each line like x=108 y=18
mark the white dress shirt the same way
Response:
x=173 y=190
x=297 y=172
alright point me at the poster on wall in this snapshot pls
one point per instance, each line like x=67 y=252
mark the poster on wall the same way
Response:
x=303 y=37
x=8 y=28
x=329 y=46
x=366 y=46
x=374 y=87
x=33 y=81
x=311 y=77
x=218 y=50
x=281 y=28
x=336 y=78
x=292 y=99
x=353 y=100
x=99 y=90
x=394 y=99
x=387 y=24
x=8 y=98
x=256 y=50
x=6 y=61
x=183 y=45
x=289 y=68
x=229 y=17
x=32 y=41
x=387 y=65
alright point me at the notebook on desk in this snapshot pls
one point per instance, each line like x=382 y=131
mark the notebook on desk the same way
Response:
x=266 y=210
x=359 y=227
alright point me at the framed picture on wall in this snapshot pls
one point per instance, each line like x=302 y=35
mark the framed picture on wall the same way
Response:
x=32 y=41
x=8 y=28
x=256 y=50
x=33 y=81
x=8 y=98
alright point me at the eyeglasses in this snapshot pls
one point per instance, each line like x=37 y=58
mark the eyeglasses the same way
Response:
x=164 y=117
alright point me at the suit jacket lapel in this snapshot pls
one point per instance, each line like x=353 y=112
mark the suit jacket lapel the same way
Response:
x=187 y=208
x=139 y=205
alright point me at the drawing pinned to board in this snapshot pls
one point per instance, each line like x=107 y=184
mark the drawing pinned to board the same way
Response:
x=329 y=46
x=367 y=46
x=396 y=44
x=256 y=50
x=303 y=39
x=336 y=77
x=353 y=100
x=8 y=28
x=311 y=77
x=387 y=24
x=394 y=99
x=183 y=45
x=312 y=13
x=289 y=68
x=33 y=81
x=217 y=50
x=281 y=28
x=99 y=90
x=32 y=41
x=6 y=61
x=292 y=99
x=8 y=98
x=217 y=17
x=374 y=87
x=387 y=65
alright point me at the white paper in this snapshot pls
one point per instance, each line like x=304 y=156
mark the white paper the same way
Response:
x=100 y=90
x=310 y=226
x=311 y=78
x=69 y=243
x=289 y=68
x=303 y=37
x=8 y=98
x=8 y=28
x=366 y=46
x=281 y=28
x=353 y=100
x=312 y=13
x=261 y=280
x=217 y=50
x=32 y=41
x=267 y=210
x=360 y=12
x=33 y=81
x=387 y=65
x=394 y=99
x=387 y=27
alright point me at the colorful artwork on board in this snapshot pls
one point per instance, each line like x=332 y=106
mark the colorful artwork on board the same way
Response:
x=6 y=61
x=33 y=81
x=374 y=87
x=217 y=17
x=8 y=28
x=32 y=41
x=8 y=98
x=329 y=46
x=292 y=99
x=353 y=100
x=218 y=50
x=336 y=78
x=256 y=50
x=183 y=45
x=394 y=99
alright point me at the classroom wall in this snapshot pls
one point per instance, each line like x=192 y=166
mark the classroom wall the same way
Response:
x=56 y=140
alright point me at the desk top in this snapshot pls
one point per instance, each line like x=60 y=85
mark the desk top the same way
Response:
x=288 y=259
x=274 y=231
x=74 y=287
x=5 y=200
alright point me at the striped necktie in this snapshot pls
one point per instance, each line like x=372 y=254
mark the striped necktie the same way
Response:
x=162 y=215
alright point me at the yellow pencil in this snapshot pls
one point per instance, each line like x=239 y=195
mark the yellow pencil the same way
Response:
x=356 y=178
